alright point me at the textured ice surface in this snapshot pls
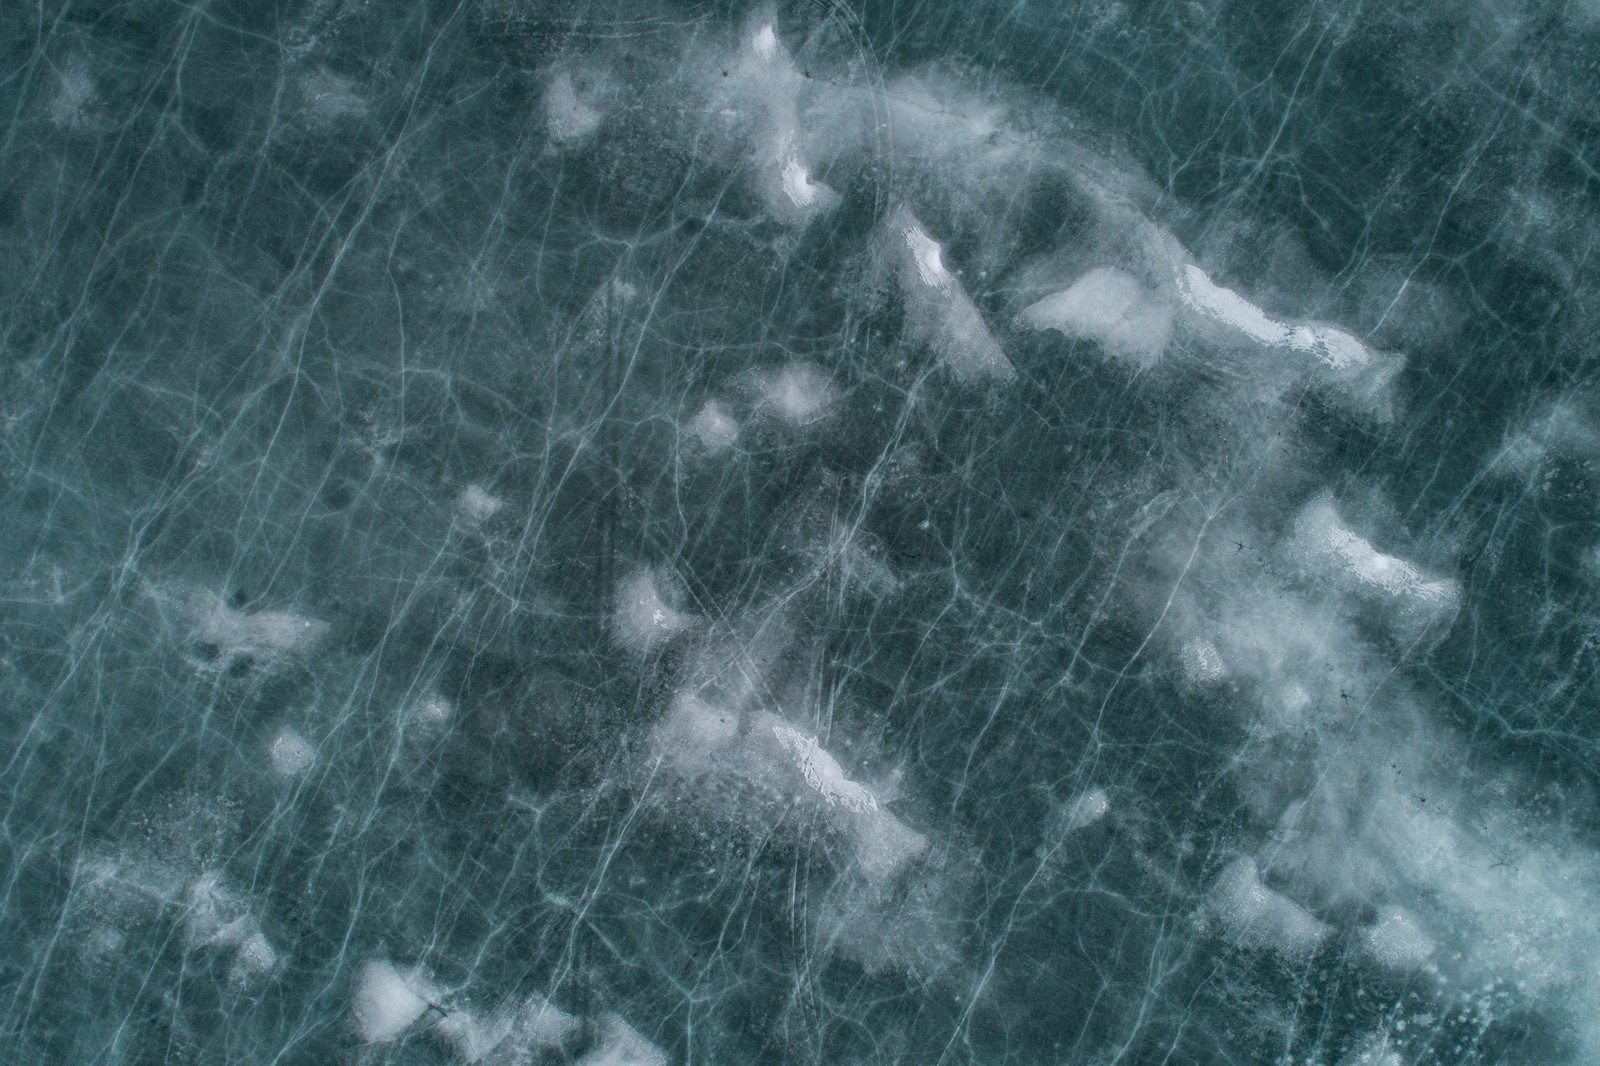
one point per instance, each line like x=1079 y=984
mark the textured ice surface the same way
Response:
x=639 y=532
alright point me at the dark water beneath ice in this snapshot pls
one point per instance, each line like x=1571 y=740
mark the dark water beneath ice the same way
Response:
x=625 y=533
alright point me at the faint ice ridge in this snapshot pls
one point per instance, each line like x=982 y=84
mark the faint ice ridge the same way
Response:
x=823 y=772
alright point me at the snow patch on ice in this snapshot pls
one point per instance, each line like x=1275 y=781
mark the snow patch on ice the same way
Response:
x=388 y=1002
x=290 y=753
x=1255 y=916
x=644 y=621
x=1111 y=308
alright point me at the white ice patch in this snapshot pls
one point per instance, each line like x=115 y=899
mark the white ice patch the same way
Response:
x=939 y=313
x=1332 y=347
x=859 y=565
x=1397 y=941
x=1325 y=543
x=1087 y=809
x=476 y=505
x=290 y=753
x=823 y=773
x=622 y=1045
x=567 y=117
x=433 y=711
x=1111 y=308
x=928 y=256
x=644 y=621
x=218 y=920
x=713 y=427
x=387 y=1003
x=256 y=957
x=1202 y=662
x=1254 y=916
x=331 y=97
x=804 y=192
x=799 y=394
x=765 y=42
x=1375 y=1051
x=1227 y=307
x=263 y=637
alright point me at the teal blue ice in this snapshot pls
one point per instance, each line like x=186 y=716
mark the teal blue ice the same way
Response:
x=826 y=533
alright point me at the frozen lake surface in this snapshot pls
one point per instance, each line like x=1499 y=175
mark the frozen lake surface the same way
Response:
x=633 y=533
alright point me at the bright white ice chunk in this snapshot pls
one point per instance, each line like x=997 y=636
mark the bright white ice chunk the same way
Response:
x=1255 y=916
x=1397 y=941
x=568 y=118
x=256 y=958
x=477 y=505
x=622 y=1045
x=1088 y=809
x=290 y=753
x=1334 y=348
x=261 y=636
x=1227 y=307
x=939 y=313
x=928 y=256
x=1325 y=544
x=765 y=42
x=823 y=773
x=643 y=620
x=386 y=1003
x=1111 y=308
x=798 y=186
x=713 y=427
